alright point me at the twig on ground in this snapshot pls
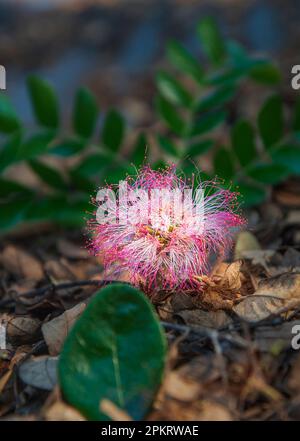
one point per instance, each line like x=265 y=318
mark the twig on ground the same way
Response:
x=47 y=290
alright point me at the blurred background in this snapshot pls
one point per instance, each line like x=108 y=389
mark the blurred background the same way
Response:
x=115 y=46
x=96 y=89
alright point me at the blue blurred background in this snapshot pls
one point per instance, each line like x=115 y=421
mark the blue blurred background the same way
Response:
x=114 y=46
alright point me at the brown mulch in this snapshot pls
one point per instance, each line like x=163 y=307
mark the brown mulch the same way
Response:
x=230 y=347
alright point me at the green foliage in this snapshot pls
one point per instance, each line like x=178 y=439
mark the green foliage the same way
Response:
x=44 y=102
x=197 y=115
x=194 y=103
x=113 y=130
x=85 y=113
x=8 y=118
x=115 y=351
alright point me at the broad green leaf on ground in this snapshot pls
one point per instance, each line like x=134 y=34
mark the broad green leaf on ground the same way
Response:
x=9 y=121
x=208 y=122
x=250 y=194
x=289 y=156
x=9 y=151
x=115 y=351
x=183 y=60
x=113 y=130
x=243 y=142
x=170 y=115
x=270 y=121
x=223 y=163
x=268 y=173
x=48 y=174
x=34 y=146
x=212 y=41
x=44 y=102
x=216 y=98
x=198 y=148
x=172 y=90
x=85 y=113
x=167 y=145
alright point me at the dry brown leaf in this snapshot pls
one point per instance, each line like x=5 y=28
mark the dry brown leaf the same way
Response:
x=58 y=272
x=213 y=411
x=60 y=411
x=259 y=257
x=253 y=309
x=228 y=275
x=22 y=329
x=209 y=319
x=39 y=372
x=275 y=339
x=19 y=355
x=294 y=379
x=204 y=369
x=245 y=242
x=56 y=330
x=271 y=296
x=21 y=264
x=181 y=388
x=71 y=250
x=284 y=286
x=291 y=259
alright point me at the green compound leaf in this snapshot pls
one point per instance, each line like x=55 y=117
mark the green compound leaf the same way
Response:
x=68 y=147
x=268 y=173
x=218 y=97
x=296 y=117
x=116 y=351
x=270 y=121
x=44 y=102
x=167 y=145
x=85 y=113
x=139 y=152
x=212 y=41
x=208 y=122
x=289 y=156
x=172 y=90
x=170 y=115
x=113 y=130
x=184 y=61
x=34 y=146
x=243 y=142
x=93 y=164
x=223 y=163
x=250 y=194
x=265 y=73
x=198 y=148
x=9 y=121
x=48 y=174
x=9 y=151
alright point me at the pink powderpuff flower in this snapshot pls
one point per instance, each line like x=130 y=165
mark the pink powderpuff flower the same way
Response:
x=162 y=238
